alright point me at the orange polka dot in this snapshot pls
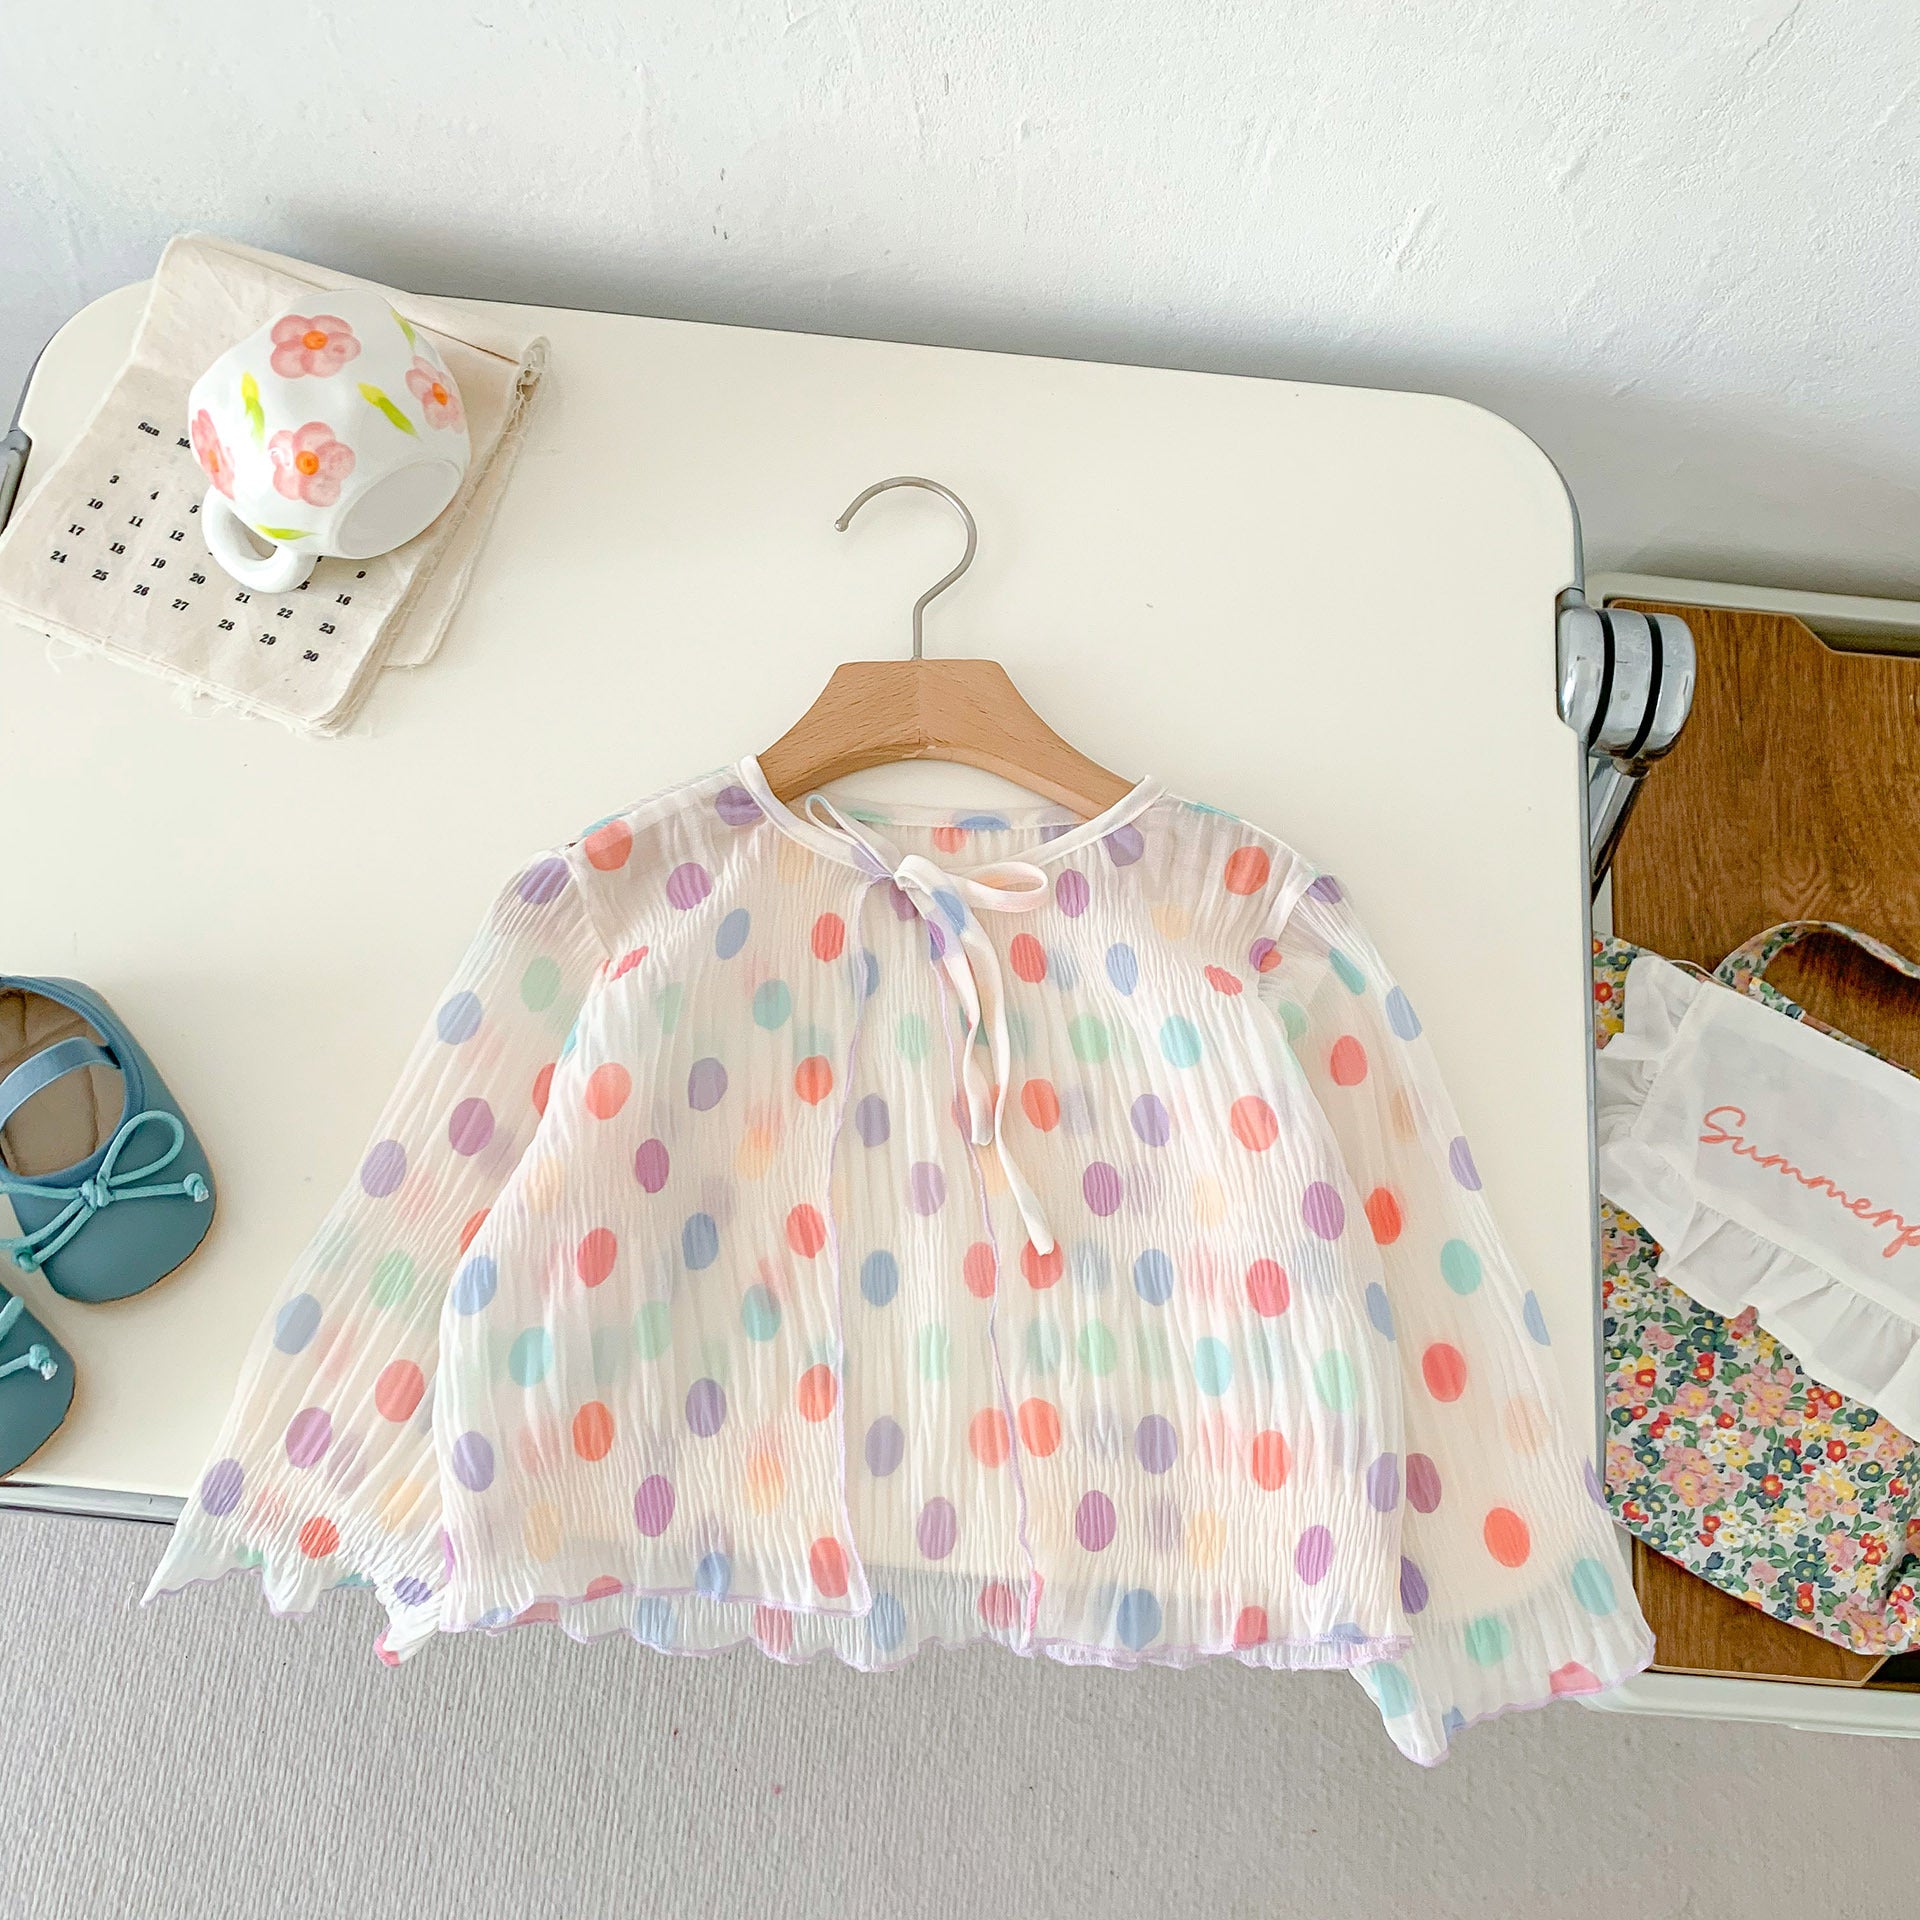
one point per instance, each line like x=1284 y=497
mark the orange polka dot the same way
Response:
x=979 y=1268
x=1347 y=1062
x=607 y=847
x=999 y=1605
x=1247 y=869
x=806 y=1231
x=398 y=1390
x=603 y=1586
x=829 y=941
x=594 y=1257
x=1221 y=981
x=607 y=1090
x=1524 y=1422
x=318 y=1538
x=593 y=1431
x=1271 y=1460
x=1039 y=1422
x=1028 y=958
x=1041 y=1104
x=1507 y=1537
x=813 y=1079
x=1255 y=1124
x=827 y=1561
x=475 y=1221
x=1267 y=1289
x=1383 y=1215
x=1444 y=1369
x=1041 y=1269
x=628 y=961
x=1250 y=1630
x=817 y=1393
x=987 y=1435
x=1406 y=1123
x=543 y=1087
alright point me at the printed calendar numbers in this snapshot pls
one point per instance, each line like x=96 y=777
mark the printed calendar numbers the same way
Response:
x=59 y=556
x=309 y=655
x=180 y=606
x=117 y=547
x=226 y=626
x=99 y=573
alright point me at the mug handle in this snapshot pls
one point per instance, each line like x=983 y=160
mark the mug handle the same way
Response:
x=230 y=541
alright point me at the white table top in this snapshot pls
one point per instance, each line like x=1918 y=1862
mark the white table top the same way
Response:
x=1330 y=610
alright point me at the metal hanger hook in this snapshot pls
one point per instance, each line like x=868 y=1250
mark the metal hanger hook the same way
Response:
x=946 y=580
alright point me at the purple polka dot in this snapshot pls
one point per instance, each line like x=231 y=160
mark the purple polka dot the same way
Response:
x=1423 y=1483
x=470 y=1126
x=650 y=1164
x=1124 y=846
x=473 y=1462
x=736 y=806
x=1460 y=1159
x=938 y=1529
x=706 y=1408
x=1260 y=954
x=653 y=1505
x=411 y=1592
x=1591 y=1481
x=1151 y=1121
x=1071 y=892
x=542 y=882
x=688 y=884
x=383 y=1169
x=706 y=1084
x=1383 y=1483
x=871 y=1121
x=936 y=941
x=1314 y=1555
x=1155 y=1444
x=1324 y=1211
x=900 y=901
x=220 y=1487
x=1327 y=888
x=309 y=1435
x=886 y=1446
x=1100 y=1185
x=1413 y=1588
x=926 y=1187
x=1094 y=1522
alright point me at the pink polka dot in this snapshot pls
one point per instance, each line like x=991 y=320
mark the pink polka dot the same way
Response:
x=470 y=1126
x=1100 y=1187
x=773 y=1628
x=399 y=1390
x=1094 y=1522
x=827 y=1562
x=1444 y=1368
x=1267 y=1289
x=978 y=1268
x=999 y=1605
x=687 y=885
x=1221 y=981
x=1071 y=893
x=1423 y=1483
x=1323 y=1210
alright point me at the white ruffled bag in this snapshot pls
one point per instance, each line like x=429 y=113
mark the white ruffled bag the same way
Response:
x=1779 y=1169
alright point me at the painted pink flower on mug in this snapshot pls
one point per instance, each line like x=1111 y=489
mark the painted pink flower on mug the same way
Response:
x=309 y=463
x=321 y=344
x=208 y=449
x=439 y=398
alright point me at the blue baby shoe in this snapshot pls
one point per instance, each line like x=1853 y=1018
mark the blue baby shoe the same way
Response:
x=108 y=1185
x=36 y=1384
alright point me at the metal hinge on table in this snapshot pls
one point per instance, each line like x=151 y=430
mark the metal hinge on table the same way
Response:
x=1626 y=686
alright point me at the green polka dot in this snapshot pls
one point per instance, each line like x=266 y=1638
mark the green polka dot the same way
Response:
x=759 y=1314
x=1294 y=1019
x=1180 y=1042
x=1043 y=1347
x=910 y=1037
x=1459 y=1266
x=1099 y=1350
x=716 y=1359
x=936 y=1351
x=609 y=1356
x=772 y=1003
x=1155 y=1351
x=1486 y=1641
x=531 y=1356
x=1019 y=1034
x=1350 y=976
x=1091 y=1042
x=392 y=1280
x=809 y=1041
x=1392 y=1692
x=1593 y=1586
x=667 y=1004
x=652 y=1330
x=540 y=984
x=1212 y=1366
x=1333 y=1379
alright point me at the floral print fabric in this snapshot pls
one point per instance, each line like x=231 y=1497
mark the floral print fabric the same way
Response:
x=1721 y=1453
x=843 y=1232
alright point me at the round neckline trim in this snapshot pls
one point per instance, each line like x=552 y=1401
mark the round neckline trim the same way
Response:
x=823 y=840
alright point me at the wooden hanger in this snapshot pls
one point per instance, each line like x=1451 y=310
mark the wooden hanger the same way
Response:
x=874 y=712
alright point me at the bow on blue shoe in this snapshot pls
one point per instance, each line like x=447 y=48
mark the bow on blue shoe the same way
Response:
x=110 y=1184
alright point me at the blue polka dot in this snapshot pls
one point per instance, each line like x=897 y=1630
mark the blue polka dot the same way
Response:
x=982 y=822
x=1593 y=1586
x=866 y=974
x=759 y=1314
x=1392 y=1692
x=1180 y=1041
x=530 y=1357
x=1137 y=1619
x=1212 y=1366
x=1379 y=1309
x=1536 y=1321
x=731 y=935
x=653 y=1621
x=1350 y=976
x=1401 y=1016
x=879 y=1277
x=1153 y=1277
x=713 y=1576
x=886 y=1622
x=296 y=1323
x=772 y=1003
x=1460 y=1266
x=953 y=909
x=1123 y=967
x=1090 y=1267
x=459 y=1018
x=699 y=1241
x=494 y=1617
x=473 y=1286
x=1453 y=1721
x=1061 y=971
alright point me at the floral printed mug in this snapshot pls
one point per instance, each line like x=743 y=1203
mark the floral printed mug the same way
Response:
x=330 y=431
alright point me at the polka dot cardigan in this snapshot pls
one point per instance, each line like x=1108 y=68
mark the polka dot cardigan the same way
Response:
x=844 y=1231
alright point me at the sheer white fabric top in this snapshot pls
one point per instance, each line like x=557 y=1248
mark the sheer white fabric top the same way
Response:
x=843 y=1231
